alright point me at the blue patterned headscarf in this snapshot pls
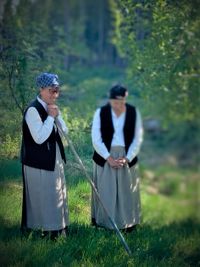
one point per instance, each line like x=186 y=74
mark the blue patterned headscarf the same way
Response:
x=47 y=79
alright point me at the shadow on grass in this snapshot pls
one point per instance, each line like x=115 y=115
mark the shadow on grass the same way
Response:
x=176 y=243
x=10 y=169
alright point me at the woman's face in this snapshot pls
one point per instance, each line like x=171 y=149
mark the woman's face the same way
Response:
x=118 y=105
x=49 y=94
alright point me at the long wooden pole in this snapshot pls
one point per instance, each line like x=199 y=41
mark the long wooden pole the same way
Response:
x=97 y=195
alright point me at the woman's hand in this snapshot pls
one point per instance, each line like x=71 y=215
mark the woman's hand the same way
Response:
x=114 y=163
x=122 y=161
x=52 y=110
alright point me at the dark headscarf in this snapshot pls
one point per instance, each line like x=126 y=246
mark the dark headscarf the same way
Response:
x=118 y=91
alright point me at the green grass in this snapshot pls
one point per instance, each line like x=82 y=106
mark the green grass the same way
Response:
x=168 y=236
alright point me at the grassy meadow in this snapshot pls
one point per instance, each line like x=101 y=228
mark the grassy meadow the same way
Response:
x=169 y=233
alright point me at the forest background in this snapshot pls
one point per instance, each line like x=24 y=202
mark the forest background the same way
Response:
x=152 y=47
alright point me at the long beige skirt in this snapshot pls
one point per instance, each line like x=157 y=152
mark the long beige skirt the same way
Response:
x=46 y=197
x=119 y=191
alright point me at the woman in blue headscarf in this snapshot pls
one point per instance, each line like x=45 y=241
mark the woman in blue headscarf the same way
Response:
x=42 y=155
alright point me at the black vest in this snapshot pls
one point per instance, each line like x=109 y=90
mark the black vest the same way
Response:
x=107 y=131
x=40 y=156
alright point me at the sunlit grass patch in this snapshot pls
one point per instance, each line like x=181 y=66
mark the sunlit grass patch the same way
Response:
x=168 y=235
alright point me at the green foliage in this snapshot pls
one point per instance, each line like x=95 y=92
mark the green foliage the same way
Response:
x=9 y=148
x=160 y=39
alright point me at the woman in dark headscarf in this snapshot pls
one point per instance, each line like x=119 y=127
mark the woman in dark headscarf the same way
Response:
x=117 y=136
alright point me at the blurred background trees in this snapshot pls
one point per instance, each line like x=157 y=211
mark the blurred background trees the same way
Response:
x=161 y=39
x=150 y=46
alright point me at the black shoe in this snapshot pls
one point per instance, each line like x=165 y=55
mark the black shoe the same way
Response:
x=45 y=234
x=93 y=222
x=129 y=229
x=54 y=235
